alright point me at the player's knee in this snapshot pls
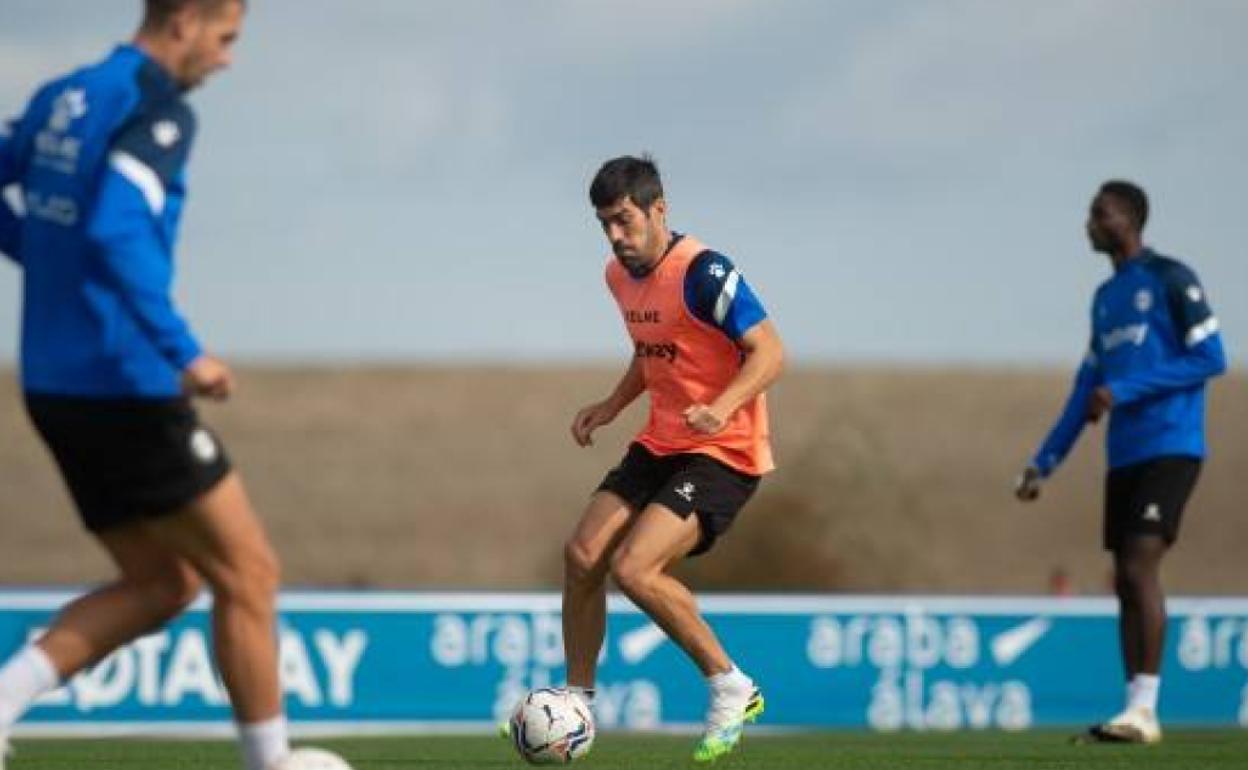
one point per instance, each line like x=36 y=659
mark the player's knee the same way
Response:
x=629 y=573
x=263 y=574
x=579 y=561
x=251 y=580
x=1133 y=577
x=185 y=589
x=169 y=594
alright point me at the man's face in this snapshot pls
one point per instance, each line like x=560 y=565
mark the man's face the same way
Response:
x=638 y=237
x=209 y=41
x=1109 y=224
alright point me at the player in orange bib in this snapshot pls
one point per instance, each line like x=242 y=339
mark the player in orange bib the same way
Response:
x=704 y=352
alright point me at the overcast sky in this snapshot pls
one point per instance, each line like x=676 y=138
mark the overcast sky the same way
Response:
x=900 y=180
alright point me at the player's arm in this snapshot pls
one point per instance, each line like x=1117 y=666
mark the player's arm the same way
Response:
x=717 y=293
x=1201 y=355
x=126 y=227
x=1064 y=433
x=763 y=361
x=600 y=413
x=11 y=205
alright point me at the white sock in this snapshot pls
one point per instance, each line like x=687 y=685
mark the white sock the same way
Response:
x=1144 y=691
x=27 y=675
x=733 y=679
x=263 y=743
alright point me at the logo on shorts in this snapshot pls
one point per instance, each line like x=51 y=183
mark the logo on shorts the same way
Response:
x=203 y=446
x=1152 y=512
x=686 y=491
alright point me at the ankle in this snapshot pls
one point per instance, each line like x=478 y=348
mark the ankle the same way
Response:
x=1145 y=689
x=26 y=676
x=586 y=694
x=732 y=679
x=264 y=742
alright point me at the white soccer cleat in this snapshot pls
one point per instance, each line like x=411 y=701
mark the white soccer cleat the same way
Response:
x=725 y=722
x=308 y=759
x=6 y=749
x=1137 y=724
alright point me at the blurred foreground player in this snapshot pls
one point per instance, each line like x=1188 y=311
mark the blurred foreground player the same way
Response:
x=93 y=175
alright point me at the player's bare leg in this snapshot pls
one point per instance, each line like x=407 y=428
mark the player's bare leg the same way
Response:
x=640 y=566
x=221 y=536
x=1142 y=629
x=587 y=560
x=1137 y=580
x=161 y=562
x=154 y=585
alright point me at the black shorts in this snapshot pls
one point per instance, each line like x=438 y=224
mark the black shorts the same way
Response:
x=128 y=459
x=1148 y=498
x=685 y=483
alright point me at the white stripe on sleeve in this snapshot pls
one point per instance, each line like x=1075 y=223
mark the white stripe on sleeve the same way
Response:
x=726 y=296
x=1202 y=331
x=13 y=197
x=141 y=176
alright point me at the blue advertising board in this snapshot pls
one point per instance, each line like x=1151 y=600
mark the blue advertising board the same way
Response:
x=378 y=661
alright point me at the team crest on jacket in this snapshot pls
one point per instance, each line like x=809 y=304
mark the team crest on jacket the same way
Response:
x=1143 y=300
x=166 y=133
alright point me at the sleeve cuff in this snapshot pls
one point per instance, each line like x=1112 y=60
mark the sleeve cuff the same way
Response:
x=185 y=353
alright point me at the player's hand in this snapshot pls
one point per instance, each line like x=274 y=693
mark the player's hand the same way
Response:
x=1099 y=403
x=705 y=419
x=208 y=377
x=1027 y=485
x=590 y=419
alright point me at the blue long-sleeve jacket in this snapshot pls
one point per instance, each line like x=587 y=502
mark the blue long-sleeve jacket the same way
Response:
x=1155 y=342
x=93 y=176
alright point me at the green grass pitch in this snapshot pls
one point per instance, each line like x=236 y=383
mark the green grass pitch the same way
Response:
x=1204 y=750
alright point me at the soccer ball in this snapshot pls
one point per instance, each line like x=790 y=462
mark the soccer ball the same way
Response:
x=552 y=727
x=310 y=759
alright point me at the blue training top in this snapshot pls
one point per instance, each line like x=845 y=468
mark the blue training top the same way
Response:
x=93 y=183
x=1155 y=342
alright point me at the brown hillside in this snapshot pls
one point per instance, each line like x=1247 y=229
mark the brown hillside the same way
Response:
x=423 y=477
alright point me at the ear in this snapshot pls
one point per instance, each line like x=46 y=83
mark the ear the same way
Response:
x=186 y=23
x=659 y=207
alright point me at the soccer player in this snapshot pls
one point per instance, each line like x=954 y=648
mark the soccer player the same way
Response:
x=704 y=352
x=94 y=188
x=1155 y=343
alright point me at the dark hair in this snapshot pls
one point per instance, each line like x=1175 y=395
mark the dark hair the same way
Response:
x=627 y=177
x=1131 y=196
x=157 y=13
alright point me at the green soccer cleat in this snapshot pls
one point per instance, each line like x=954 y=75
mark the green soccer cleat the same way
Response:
x=725 y=725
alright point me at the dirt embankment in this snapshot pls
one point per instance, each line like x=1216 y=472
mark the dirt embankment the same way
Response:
x=429 y=477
